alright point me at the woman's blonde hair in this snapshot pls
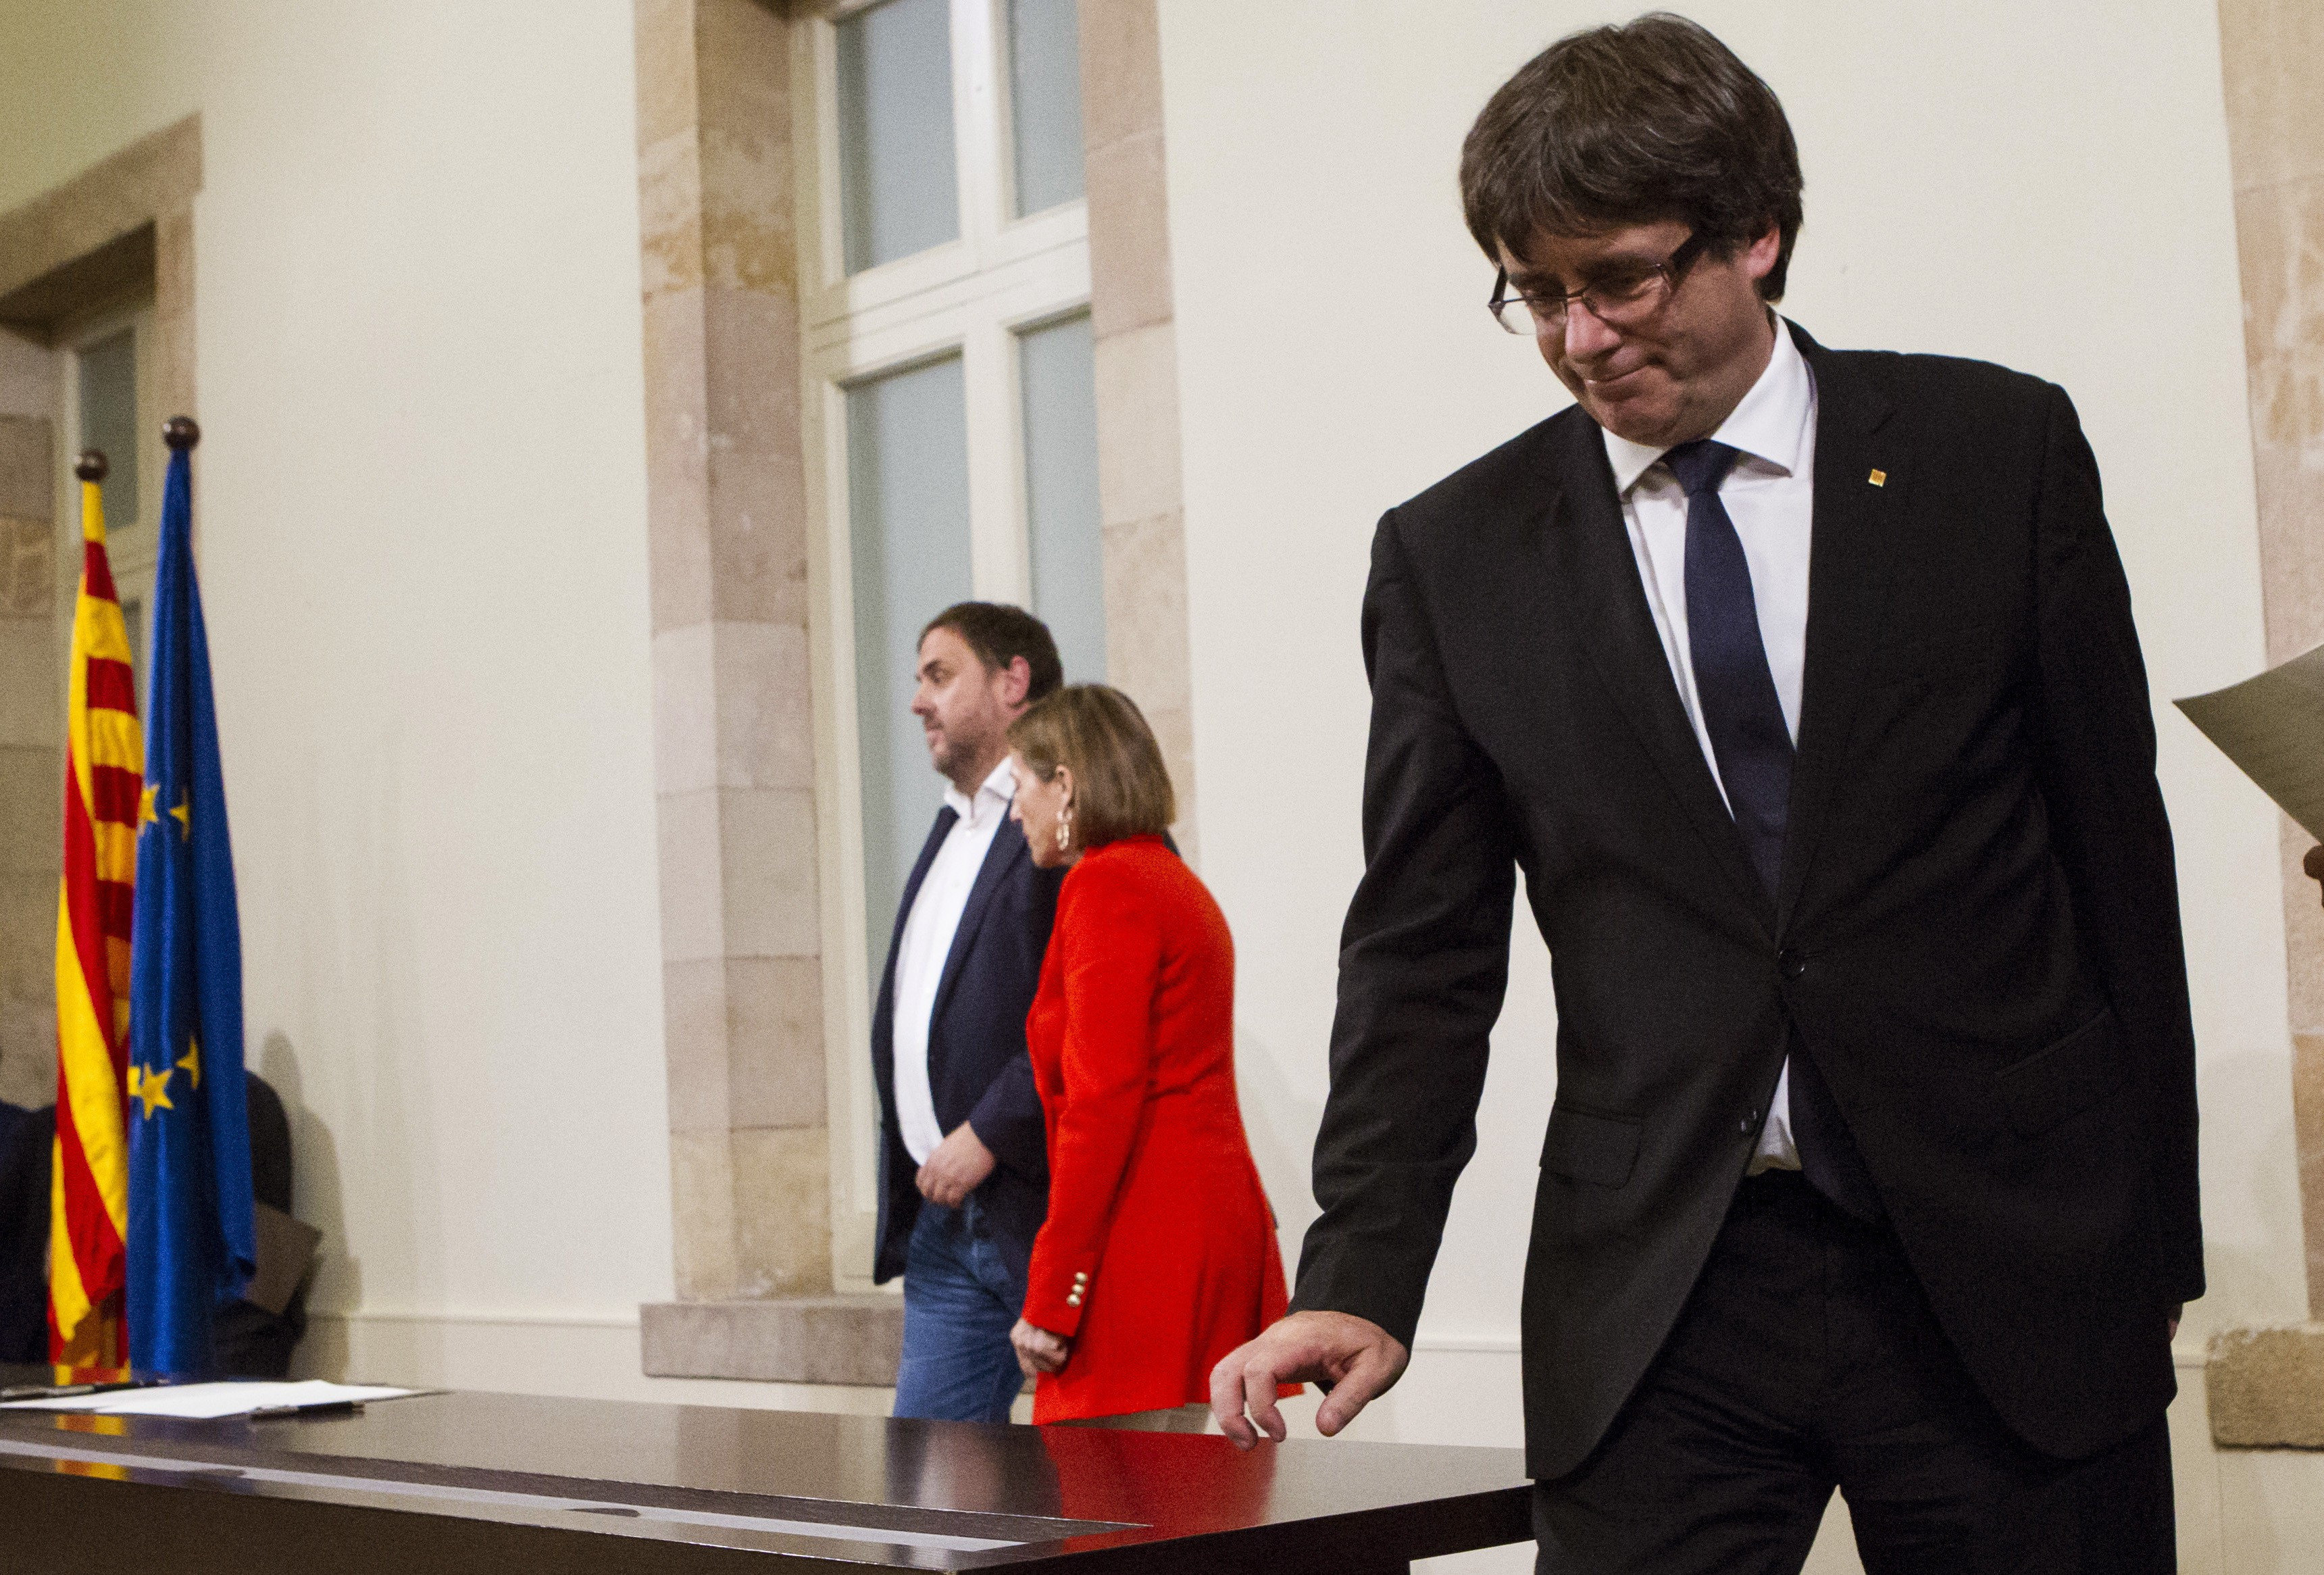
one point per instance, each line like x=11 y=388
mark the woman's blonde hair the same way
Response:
x=1122 y=788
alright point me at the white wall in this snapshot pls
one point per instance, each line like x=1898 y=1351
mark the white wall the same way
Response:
x=420 y=502
x=2046 y=187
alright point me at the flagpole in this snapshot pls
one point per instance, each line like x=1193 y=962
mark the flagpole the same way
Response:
x=180 y=433
x=91 y=465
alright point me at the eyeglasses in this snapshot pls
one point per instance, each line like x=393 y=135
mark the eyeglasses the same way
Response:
x=1621 y=298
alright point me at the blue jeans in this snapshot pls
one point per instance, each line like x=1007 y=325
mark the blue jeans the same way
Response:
x=961 y=1299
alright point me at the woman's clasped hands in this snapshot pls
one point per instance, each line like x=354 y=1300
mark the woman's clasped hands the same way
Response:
x=1039 y=1352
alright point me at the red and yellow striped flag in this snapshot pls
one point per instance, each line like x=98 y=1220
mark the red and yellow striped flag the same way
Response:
x=104 y=773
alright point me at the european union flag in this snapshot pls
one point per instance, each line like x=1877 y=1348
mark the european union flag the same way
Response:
x=191 y=1243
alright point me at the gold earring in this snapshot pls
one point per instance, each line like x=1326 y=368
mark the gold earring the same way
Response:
x=1065 y=829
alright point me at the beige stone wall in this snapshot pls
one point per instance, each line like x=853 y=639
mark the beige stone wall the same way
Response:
x=76 y=243
x=31 y=758
x=2272 y=58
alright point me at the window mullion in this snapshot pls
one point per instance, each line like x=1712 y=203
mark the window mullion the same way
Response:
x=1002 y=563
x=978 y=133
x=816 y=126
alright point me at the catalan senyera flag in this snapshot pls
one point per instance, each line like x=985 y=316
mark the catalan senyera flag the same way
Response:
x=88 y=1195
x=193 y=1244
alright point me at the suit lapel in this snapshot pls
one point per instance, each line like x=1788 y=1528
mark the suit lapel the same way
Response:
x=1008 y=848
x=1850 y=565
x=946 y=817
x=1591 y=551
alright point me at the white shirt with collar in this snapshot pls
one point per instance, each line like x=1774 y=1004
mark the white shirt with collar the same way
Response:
x=927 y=943
x=1769 y=494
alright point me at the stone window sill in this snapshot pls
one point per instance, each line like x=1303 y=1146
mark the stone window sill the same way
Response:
x=787 y=1340
x=2266 y=1389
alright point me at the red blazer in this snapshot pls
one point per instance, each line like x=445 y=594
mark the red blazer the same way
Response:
x=1159 y=1257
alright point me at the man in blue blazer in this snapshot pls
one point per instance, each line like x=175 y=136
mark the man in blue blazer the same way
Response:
x=963 y=1165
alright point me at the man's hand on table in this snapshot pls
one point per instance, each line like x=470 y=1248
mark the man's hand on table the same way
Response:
x=1359 y=1358
x=957 y=1168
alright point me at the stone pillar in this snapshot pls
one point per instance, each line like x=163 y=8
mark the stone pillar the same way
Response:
x=173 y=315
x=2268 y=1387
x=1141 y=494
x=734 y=737
x=32 y=731
x=2272 y=52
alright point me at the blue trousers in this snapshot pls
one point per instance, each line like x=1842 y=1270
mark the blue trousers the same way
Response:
x=960 y=1298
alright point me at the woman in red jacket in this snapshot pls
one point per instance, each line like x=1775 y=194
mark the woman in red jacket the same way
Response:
x=1159 y=1257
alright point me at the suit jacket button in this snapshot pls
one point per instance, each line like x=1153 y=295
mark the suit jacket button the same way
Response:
x=1790 y=963
x=1749 y=1124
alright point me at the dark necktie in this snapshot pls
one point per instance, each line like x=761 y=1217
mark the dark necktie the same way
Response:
x=1745 y=720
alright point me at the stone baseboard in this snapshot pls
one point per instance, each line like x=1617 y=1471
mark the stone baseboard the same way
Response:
x=787 y=1340
x=2266 y=1389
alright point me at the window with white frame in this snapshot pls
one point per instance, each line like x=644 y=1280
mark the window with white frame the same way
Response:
x=951 y=409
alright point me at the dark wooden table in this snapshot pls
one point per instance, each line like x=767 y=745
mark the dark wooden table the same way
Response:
x=510 y=1484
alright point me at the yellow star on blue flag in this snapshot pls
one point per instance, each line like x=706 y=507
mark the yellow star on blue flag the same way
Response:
x=151 y=1089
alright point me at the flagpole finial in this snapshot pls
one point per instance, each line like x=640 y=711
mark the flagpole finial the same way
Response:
x=91 y=466
x=180 y=432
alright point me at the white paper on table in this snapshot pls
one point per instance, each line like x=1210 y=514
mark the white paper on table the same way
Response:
x=2272 y=728
x=208 y=1402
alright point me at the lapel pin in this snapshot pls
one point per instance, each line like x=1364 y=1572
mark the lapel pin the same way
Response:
x=1879 y=478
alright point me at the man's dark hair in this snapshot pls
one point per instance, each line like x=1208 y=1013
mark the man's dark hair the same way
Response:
x=1634 y=124
x=998 y=634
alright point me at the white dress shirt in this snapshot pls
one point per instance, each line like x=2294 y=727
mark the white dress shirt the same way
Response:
x=1769 y=494
x=928 y=933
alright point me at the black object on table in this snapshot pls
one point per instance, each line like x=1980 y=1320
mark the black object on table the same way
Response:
x=500 y=1483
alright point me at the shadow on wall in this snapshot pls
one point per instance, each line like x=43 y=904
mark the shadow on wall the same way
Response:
x=315 y=1172
x=357 y=946
x=1281 y=1120
x=2261 y=1277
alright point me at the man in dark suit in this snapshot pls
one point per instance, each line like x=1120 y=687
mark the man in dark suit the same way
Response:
x=1803 y=687
x=963 y=1165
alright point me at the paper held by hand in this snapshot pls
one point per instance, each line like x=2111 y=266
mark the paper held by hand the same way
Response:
x=2272 y=728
